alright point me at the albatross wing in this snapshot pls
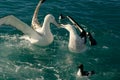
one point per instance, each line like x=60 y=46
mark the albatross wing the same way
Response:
x=18 y=24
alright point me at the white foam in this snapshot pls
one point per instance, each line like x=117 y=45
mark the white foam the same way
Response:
x=58 y=76
x=82 y=78
x=105 y=47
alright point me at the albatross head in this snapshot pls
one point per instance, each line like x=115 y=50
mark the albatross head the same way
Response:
x=68 y=27
x=51 y=19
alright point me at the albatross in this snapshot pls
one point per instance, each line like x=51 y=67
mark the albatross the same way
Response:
x=36 y=34
x=77 y=43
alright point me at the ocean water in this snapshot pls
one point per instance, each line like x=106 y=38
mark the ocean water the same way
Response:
x=20 y=60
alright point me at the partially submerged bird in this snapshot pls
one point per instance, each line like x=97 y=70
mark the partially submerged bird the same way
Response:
x=81 y=71
x=36 y=34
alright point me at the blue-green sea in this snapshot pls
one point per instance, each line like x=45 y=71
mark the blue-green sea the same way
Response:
x=20 y=60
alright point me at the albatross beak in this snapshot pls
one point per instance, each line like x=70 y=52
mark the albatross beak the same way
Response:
x=56 y=24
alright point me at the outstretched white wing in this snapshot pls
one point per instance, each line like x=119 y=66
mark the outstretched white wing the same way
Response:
x=15 y=22
x=35 y=24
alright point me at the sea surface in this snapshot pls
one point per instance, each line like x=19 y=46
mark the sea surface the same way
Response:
x=20 y=60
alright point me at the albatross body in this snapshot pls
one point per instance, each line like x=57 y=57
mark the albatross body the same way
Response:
x=36 y=34
x=76 y=43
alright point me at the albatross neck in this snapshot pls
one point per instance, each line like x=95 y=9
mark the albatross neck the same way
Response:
x=72 y=31
x=46 y=25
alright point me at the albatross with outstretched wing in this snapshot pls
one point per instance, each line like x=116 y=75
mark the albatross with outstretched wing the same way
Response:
x=76 y=42
x=37 y=34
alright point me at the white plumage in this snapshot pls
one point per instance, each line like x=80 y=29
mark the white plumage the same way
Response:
x=36 y=34
x=76 y=43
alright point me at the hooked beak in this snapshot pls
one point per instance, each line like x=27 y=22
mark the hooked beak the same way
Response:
x=56 y=24
x=62 y=26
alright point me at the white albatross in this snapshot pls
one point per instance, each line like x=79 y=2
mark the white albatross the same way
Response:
x=76 y=43
x=36 y=34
